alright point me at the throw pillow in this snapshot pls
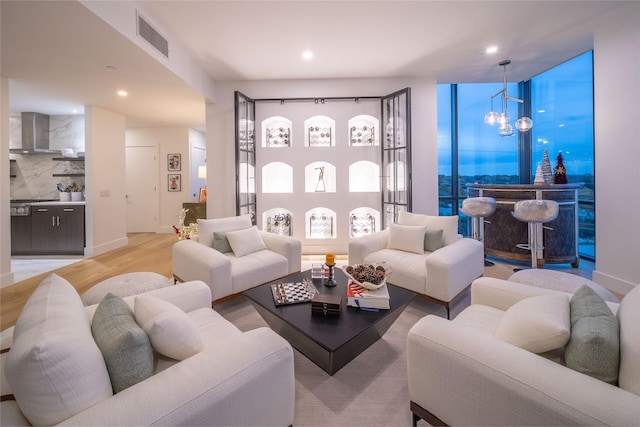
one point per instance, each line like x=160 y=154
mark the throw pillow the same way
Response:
x=220 y=242
x=449 y=224
x=433 y=240
x=124 y=345
x=206 y=227
x=54 y=367
x=245 y=242
x=407 y=238
x=536 y=324
x=171 y=331
x=594 y=346
x=629 y=319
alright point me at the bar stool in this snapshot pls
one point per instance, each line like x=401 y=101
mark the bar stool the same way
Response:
x=535 y=212
x=477 y=208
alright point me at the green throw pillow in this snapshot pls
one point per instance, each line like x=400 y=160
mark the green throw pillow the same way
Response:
x=594 y=346
x=124 y=345
x=433 y=240
x=220 y=242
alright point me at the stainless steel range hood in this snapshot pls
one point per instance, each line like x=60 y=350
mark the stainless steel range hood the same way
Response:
x=35 y=135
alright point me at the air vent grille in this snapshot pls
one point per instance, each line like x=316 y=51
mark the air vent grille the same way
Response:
x=147 y=32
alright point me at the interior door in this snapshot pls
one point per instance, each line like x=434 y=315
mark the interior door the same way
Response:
x=245 y=156
x=142 y=189
x=396 y=155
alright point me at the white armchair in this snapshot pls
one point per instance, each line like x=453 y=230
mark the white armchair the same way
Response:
x=231 y=256
x=460 y=373
x=426 y=254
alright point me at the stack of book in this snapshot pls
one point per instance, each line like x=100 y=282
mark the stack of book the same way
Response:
x=357 y=296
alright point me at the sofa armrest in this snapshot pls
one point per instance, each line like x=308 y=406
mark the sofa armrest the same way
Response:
x=502 y=294
x=360 y=247
x=286 y=246
x=452 y=268
x=195 y=261
x=248 y=380
x=466 y=378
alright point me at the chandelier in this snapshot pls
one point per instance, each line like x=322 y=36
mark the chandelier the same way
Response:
x=502 y=119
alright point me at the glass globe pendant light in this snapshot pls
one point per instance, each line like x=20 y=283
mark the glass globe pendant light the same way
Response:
x=523 y=124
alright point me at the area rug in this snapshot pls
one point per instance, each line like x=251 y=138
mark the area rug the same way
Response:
x=369 y=391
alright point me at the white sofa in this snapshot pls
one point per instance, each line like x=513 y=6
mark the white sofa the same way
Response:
x=440 y=268
x=469 y=372
x=235 y=379
x=252 y=257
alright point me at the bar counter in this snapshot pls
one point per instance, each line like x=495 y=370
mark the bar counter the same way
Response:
x=502 y=232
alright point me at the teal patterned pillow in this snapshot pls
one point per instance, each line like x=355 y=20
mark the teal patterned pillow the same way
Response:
x=594 y=346
x=124 y=345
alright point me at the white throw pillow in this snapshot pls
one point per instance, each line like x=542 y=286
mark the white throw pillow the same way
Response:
x=408 y=238
x=537 y=324
x=54 y=367
x=449 y=224
x=206 y=227
x=171 y=332
x=245 y=242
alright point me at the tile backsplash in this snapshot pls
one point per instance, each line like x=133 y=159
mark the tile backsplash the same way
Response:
x=34 y=172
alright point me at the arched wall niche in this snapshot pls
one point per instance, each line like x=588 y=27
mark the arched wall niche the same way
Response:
x=320 y=223
x=278 y=221
x=277 y=177
x=364 y=177
x=276 y=132
x=320 y=177
x=319 y=131
x=364 y=131
x=363 y=221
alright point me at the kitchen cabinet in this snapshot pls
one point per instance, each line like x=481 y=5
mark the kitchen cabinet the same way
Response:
x=20 y=235
x=73 y=170
x=58 y=230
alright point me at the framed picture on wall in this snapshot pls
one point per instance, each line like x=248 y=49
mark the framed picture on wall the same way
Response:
x=174 y=182
x=173 y=162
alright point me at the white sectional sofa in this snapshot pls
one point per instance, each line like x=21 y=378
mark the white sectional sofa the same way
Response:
x=230 y=255
x=426 y=254
x=58 y=375
x=502 y=362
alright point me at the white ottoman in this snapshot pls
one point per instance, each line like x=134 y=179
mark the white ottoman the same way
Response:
x=559 y=281
x=125 y=285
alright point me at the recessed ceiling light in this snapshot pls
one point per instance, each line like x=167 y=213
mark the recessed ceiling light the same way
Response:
x=122 y=93
x=307 y=54
x=492 y=49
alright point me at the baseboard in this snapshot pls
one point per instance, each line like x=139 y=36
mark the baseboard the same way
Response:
x=106 y=247
x=614 y=284
x=6 y=279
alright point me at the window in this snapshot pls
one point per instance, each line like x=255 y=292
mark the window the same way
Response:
x=562 y=112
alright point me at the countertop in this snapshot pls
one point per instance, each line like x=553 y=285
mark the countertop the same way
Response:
x=571 y=186
x=82 y=203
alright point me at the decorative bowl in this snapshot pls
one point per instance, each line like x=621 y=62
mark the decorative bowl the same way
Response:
x=367 y=284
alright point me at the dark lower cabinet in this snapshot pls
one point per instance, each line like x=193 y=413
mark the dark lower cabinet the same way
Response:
x=57 y=230
x=21 y=235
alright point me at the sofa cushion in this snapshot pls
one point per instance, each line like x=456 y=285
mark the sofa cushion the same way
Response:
x=245 y=242
x=220 y=242
x=54 y=367
x=594 y=346
x=124 y=345
x=629 y=320
x=171 y=331
x=409 y=269
x=449 y=224
x=257 y=268
x=124 y=285
x=433 y=240
x=537 y=324
x=206 y=227
x=409 y=238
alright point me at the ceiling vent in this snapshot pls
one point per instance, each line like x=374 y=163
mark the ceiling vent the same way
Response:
x=147 y=32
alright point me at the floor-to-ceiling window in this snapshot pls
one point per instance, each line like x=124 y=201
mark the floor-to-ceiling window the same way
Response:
x=471 y=151
x=562 y=113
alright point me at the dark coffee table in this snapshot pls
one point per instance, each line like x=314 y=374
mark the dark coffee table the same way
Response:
x=329 y=342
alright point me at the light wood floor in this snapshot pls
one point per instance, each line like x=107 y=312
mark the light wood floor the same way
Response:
x=148 y=252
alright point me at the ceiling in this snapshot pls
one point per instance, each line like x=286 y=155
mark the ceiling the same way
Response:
x=55 y=53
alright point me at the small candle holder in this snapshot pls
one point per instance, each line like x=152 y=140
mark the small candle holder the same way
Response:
x=330 y=280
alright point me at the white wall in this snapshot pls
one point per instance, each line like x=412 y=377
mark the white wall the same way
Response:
x=197 y=157
x=221 y=145
x=106 y=215
x=617 y=153
x=6 y=276
x=167 y=140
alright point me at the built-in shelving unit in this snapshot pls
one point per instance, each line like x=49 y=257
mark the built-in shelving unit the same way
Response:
x=70 y=173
